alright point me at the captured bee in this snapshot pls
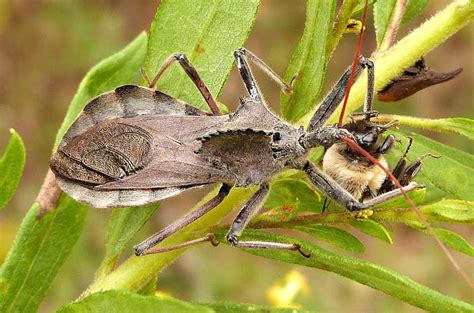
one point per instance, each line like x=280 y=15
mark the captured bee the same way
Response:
x=359 y=176
x=353 y=171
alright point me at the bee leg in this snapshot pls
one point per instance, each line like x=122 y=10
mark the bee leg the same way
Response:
x=245 y=215
x=386 y=145
x=335 y=96
x=398 y=171
x=413 y=168
x=146 y=246
x=193 y=75
x=333 y=190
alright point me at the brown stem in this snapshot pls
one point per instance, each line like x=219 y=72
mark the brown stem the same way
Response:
x=48 y=195
x=392 y=28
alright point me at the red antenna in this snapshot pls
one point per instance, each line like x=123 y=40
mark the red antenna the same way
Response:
x=354 y=65
x=360 y=150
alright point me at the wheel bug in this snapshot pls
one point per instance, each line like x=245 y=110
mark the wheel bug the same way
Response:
x=137 y=145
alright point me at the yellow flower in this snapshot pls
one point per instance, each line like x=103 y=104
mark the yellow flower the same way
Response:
x=283 y=293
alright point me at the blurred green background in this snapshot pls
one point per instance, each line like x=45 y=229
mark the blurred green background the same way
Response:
x=46 y=47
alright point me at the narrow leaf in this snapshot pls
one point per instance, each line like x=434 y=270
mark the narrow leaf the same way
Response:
x=382 y=12
x=40 y=248
x=124 y=301
x=362 y=271
x=249 y=308
x=11 y=168
x=119 y=69
x=293 y=196
x=360 y=7
x=336 y=236
x=217 y=29
x=450 y=176
x=454 y=241
x=372 y=228
x=456 y=125
x=455 y=210
x=124 y=223
x=309 y=61
x=413 y=9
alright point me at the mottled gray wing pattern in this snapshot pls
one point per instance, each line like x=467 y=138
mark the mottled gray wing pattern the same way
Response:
x=108 y=144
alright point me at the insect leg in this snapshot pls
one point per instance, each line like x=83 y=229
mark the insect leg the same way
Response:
x=247 y=76
x=245 y=215
x=193 y=74
x=145 y=247
x=369 y=96
x=248 y=55
x=333 y=190
x=386 y=145
x=335 y=96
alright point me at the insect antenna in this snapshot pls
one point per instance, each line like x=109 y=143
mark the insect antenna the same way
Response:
x=356 y=147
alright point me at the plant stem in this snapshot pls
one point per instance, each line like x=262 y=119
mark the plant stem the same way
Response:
x=392 y=28
x=404 y=215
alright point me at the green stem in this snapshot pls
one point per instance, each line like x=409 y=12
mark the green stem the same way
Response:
x=412 y=47
x=404 y=215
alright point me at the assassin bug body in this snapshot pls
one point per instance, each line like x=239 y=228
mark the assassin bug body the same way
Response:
x=136 y=145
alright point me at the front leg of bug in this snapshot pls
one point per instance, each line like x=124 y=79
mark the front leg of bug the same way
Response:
x=243 y=218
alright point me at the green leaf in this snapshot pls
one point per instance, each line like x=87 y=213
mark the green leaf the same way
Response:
x=450 y=176
x=118 y=301
x=208 y=32
x=119 y=69
x=455 y=210
x=336 y=236
x=40 y=248
x=372 y=228
x=293 y=195
x=344 y=14
x=382 y=12
x=124 y=301
x=11 y=168
x=413 y=9
x=456 y=125
x=123 y=225
x=455 y=241
x=251 y=308
x=309 y=60
x=360 y=7
x=362 y=271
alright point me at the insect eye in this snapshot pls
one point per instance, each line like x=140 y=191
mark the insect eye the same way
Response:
x=276 y=136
